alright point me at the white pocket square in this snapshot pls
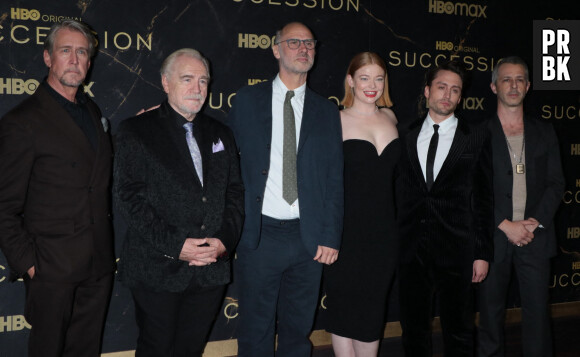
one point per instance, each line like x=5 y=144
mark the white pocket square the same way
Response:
x=217 y=147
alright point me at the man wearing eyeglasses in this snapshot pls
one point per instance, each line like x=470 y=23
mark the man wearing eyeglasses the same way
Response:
x=290 y=145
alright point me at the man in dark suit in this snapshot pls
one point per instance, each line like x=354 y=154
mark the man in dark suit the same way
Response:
x=291 y=156
x=55 y=226
x=445 y=215
x=177 y=183
x=528 y=184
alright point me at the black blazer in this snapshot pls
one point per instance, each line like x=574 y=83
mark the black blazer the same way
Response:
x=544 y=184
x=453 y=221
x=55 y=192
x=159 y=194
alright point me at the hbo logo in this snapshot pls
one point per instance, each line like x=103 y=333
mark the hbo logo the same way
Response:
x=24 y=14
x=444 y=46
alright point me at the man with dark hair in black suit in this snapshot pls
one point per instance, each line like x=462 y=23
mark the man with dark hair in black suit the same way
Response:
x=445 y=215
x=177 y=183
x=528 y=185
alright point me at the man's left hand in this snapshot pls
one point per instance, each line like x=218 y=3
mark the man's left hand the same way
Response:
x=480 y=269
x=326 y=255
x=532 y=227
x=217 y=243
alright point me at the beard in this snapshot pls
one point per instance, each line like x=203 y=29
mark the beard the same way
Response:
x=70 y=82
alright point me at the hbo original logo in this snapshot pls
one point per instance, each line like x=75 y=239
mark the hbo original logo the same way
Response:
x=250 y=40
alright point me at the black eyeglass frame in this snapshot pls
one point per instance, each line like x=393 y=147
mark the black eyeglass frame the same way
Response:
x=298 y=41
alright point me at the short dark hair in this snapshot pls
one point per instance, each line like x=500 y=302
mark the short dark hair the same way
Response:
x=452 y=66
x=72 y=25
x=510 y=60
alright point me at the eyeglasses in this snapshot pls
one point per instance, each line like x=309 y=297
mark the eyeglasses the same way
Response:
x=294 y=43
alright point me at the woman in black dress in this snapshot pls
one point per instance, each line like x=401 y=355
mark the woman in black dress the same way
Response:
x=357 y=284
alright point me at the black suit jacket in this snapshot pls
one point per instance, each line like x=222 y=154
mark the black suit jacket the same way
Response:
x=453 y=221
x=54 y=192
x=159 y=194
x=544 y=184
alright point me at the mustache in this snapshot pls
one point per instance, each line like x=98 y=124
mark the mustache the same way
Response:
x=194 y=96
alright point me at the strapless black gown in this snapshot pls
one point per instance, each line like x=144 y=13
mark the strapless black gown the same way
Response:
x=357 y=284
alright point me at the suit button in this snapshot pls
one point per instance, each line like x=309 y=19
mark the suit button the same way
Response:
x=509 y=195
x=264 y=172
x=90 y=188
x=258 y=199
x=204 y=199
x=92 y=220
x=202 y=227
x=268 y=146
x=73 y=164
x=510 y=172
x=423 y=221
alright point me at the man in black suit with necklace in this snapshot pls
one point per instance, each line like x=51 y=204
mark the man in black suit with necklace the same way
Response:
x=445 y=215
x=528 y=184
x=177 y=183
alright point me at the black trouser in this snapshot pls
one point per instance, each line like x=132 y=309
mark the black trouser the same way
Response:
x=175 y=324
x=533 y=277
x=419 y=281
x=67 y=318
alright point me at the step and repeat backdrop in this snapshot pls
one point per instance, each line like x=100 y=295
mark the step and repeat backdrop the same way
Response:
x=236 y=35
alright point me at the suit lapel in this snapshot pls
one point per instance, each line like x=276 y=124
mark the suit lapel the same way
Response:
x=531 y=135
x=308 y=119
x=502 y=162
x=205 y=144
x=59 y=118
x=175 y=153
x=102 y=141
x=457 y=149
x=414 y=156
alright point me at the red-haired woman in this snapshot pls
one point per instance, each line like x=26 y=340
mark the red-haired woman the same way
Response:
x=357 y=284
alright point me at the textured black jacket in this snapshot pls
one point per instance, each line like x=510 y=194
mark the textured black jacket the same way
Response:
x=158 y=193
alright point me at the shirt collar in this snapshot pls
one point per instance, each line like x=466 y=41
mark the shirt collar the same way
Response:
x=178 y=118
x=446 y=125
x=280 y=87
x=79 y=96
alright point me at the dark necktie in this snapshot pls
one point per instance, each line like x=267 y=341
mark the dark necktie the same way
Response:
x=431 y=156
x=193 y=150
x=289 y=182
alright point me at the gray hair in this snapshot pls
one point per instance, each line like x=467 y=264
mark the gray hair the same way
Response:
x=72 y=25
x=167 y=65
x=510 y=60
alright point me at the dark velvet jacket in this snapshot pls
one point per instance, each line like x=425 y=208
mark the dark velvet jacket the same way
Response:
x=55 y=192
x=159 y=195
x=544 y=184
x=453 y=222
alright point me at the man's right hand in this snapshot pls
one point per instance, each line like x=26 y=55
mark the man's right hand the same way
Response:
x=31 y=272
x=516 y=232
